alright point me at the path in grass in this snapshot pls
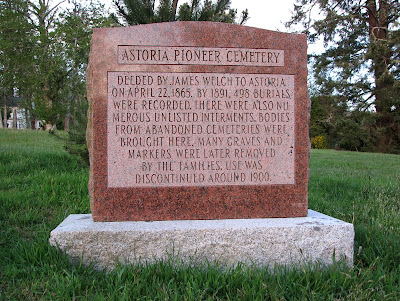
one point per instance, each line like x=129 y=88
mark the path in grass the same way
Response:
x=40 y=184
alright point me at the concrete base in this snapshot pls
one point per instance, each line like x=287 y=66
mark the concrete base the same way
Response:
x=262 y=242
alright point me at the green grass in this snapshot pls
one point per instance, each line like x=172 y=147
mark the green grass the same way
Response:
x=40 y=185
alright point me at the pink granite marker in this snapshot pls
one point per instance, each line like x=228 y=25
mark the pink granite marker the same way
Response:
x=187 y=121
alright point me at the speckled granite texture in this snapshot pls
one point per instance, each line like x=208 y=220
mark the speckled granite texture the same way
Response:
x=259 y=242
x=110 y=203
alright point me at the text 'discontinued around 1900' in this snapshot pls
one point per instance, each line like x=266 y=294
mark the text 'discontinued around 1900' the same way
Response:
x=199 y=129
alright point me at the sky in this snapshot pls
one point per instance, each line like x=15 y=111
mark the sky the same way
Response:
x=272 y=15
x=266 y=14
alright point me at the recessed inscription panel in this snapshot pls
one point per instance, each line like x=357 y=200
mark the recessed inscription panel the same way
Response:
x=199 y=129
x=162 y=55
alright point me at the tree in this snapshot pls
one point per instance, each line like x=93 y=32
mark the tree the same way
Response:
x=16 y=51
x=325 y=113
x=219 y=11
x=361 y=60
x=50 y=64
x=43 y=54
x=135 y=12
x=74 y=29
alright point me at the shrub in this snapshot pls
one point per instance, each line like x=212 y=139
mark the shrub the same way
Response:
x=318 y=142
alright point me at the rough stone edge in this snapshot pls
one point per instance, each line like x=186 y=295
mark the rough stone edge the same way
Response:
x=293 y=242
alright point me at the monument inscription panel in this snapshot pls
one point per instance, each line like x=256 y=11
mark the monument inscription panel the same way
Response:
x=196 y=129
x=197 y=120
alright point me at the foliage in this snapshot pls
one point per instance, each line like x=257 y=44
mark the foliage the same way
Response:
x=325 y=112
x=219 y=11
x=350 y=133
x=135 y=12
x=17 y=40
x=41 y=185
x=44 y=54
x=342 y=128
x=76 y=143
x=75 y=27
x=318 y=142
x=49 y=63
x=356 y=132
x=360 y=63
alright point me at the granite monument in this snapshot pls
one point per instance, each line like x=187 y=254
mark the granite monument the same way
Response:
x=198 y=141
x=197 y=120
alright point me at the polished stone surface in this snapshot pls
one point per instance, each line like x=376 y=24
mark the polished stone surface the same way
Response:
x=133 y=180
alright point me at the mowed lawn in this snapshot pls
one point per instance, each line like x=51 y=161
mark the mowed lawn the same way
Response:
x=40 y=185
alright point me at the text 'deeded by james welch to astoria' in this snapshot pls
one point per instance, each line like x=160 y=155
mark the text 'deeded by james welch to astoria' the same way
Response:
x=199 y=129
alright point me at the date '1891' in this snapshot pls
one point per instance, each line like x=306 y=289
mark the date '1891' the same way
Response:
x=192 y=129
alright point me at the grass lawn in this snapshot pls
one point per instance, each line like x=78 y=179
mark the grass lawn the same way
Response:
x=40 y=185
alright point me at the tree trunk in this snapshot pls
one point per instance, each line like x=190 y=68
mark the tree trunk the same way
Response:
x=1 y=121
x=71 y=98
x=27 y=112
x=5 y=110
x=173 y=10
x=378 y=30
x=66 y=120
x=33 y=121
x=5 y=113
x=14 y=123
x=27 y=119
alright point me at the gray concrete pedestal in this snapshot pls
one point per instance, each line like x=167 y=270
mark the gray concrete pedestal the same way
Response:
x=260 y=242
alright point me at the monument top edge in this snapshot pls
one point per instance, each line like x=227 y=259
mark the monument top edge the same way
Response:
x=194 y=25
